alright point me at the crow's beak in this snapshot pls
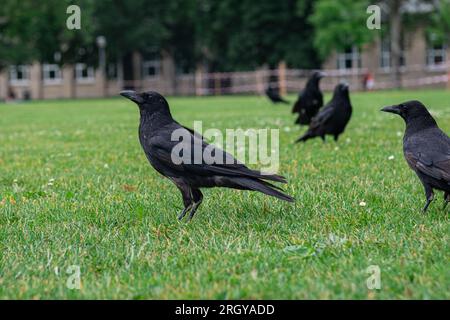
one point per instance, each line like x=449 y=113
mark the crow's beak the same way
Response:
x=322 y=74
x=132 y=95
x=391 y=109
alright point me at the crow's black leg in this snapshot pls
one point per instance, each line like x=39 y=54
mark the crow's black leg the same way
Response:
x=185 y=210
x=336 y=137
x=198 y=198
x=446 y=200
x=187 y=199
x=430 y=196
x=323 y=138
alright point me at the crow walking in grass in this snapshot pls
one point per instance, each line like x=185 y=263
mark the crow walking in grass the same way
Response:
x=426 y=148
x=310 y=100
x=333 y=118
x=195 y=164
x=274 y=95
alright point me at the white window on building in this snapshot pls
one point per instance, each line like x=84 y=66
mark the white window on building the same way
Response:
x=349 y=59
x=385 y=55
x=436 y=56
x=84 y=73
x=51 y=74
x=19 y=75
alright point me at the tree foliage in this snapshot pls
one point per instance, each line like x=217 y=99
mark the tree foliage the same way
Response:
x=239 y=34
x=338 y=24
x=36 y=30
x=439 y=28
x=223 y=35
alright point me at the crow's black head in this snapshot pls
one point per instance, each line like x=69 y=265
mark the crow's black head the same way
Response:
x=318 y=75
x=313 y=82
x=409 y=110
x=149 y=101
x=341 y=89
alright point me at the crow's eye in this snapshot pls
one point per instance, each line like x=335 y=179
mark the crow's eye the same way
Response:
x=403 y=108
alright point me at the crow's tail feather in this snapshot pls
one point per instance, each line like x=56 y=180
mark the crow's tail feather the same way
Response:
x=245 y=172
x=271 y=177
x=261 y=186
x=305 y=137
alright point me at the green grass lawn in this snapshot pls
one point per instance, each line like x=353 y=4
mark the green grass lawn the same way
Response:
x=76 y=189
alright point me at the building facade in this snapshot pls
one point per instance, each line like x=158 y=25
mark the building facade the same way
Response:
x=51 y=81
x=422 y=65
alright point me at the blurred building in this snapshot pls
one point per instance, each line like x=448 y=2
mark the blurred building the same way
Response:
x=421 y=62
x=423 y=65
x=51 y=81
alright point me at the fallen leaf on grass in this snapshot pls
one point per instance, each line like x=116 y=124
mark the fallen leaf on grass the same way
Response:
x=129 y=188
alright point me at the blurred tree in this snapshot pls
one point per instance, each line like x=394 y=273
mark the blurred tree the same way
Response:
x=227 y=35
x=439 y=29
x=15 y=33
x=37 y=31
x=342 y=23
x=146 y=26
x=241 y=35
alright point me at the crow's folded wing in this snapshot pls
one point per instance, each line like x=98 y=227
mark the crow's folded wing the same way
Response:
x=322 y=118
x=439 y=169
x=196 y=157
x=430 y=155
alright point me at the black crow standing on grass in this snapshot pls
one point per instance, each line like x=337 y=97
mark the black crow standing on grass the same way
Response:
x=310 y=100
x=426 y=148
x=333 y=118
x=155 y=135
x=274 y=95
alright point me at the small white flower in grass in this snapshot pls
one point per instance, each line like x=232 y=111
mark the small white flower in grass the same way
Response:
x=362 y=204
x=399 y=133
x=105 y=166
x=391 y=157
x=287 y=129
x=348 y=140
x=336 y=148
x=15 y=180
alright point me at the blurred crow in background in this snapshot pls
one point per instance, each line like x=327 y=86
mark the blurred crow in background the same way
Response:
x=426 y=148
x=274 y=95
x=310 y=100
x=333 y=118
x=155 y=135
